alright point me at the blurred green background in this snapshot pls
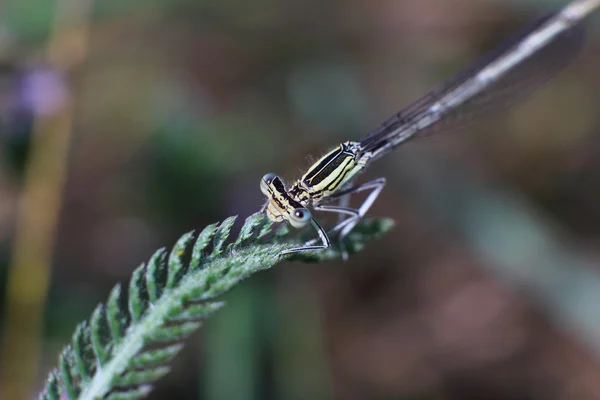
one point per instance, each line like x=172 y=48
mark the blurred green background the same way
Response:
x=487 y=288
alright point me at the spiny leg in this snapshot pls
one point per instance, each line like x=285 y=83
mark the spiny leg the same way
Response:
x=342 y=211
x=346 y=226
x=344 y=202
x=376 y=186
x=308 y=245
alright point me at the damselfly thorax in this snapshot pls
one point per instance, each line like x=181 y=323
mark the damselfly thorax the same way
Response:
x=329 y=174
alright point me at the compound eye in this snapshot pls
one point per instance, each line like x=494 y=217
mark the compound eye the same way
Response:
x=300 y=217
x=268 y=178
x=265 y=182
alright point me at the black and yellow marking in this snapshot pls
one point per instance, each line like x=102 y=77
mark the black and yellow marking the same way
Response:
x=281 y=202
x=331 y=171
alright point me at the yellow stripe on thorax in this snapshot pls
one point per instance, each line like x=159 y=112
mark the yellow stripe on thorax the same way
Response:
x=331 y=171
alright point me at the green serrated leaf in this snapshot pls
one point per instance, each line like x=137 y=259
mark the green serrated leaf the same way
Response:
x=249 y=228
x=203 y=289
x=188 y=310
x=196 y=311
x=212 y=277
x=117 y=317
x=66 y=374
x=138 y=300
x=223 y=283
x=204 y=239
x=131 y=393
x=265 y=229
x=100 y=335
x=138 y=377
x=176 y=308
x=156 y=275
x=222 y=234
x=175 y=332
x=84 y=359
x=196 y=294
x=156 y=357
x=133 y=340
x=176 y=265
x=52 y=390
x=282 y=230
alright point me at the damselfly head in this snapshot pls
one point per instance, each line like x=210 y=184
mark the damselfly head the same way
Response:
x=280 y=205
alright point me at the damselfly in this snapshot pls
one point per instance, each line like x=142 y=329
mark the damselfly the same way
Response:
x=510 y=72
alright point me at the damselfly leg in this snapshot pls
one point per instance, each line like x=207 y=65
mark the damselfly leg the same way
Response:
x=345 y=226
x=310 y=245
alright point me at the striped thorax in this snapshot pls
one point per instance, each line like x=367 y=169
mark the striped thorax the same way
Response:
x=330 y=173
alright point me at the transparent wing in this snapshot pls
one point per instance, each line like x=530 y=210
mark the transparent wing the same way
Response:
x=513 y=87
